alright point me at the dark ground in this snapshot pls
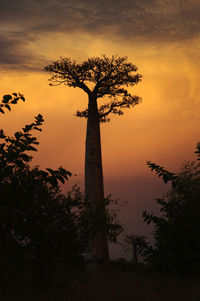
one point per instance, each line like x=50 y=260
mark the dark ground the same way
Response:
x=117 y=284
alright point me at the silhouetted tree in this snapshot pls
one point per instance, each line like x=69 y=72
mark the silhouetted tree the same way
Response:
x=41 y=227
x=137 y=244
x=177 y=229
x=98 y=78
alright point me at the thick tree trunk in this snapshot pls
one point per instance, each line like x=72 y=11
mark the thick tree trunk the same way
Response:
x=94 y=191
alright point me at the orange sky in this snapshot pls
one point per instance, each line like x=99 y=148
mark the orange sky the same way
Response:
x=164 y=128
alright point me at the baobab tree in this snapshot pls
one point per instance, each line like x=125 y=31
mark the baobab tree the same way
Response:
x=98 y=77
x=137 y=244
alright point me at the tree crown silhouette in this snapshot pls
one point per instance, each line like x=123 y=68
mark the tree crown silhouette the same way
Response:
x=99 y=77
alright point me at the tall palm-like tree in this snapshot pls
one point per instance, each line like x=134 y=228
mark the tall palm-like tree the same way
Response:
x=98 y=77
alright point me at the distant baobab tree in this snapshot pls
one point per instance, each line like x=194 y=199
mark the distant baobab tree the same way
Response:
x=98 y=77
x=136 y=242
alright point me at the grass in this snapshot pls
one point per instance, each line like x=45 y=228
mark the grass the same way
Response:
x=113 y=285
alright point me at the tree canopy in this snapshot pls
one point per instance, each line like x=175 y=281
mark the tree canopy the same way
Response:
x=99 y=77
x=176 y=245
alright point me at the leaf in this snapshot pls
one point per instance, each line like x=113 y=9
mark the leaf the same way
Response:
x=2 y=145
x=53 y=181
x=64 y=172
x=61 y=179
x=51 y=171
x=20 y=144
x=8 y=107
x=38 y=129
x=6 y=98
x=2 y=135
x=17 y=135
x=31 y=148
x=25 y=157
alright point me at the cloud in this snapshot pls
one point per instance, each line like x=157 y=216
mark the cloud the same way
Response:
x=143 y=18
x=14 y=56
x=147 y=20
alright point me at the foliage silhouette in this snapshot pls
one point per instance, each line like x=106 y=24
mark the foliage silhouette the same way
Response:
x=39 y=224
x=176 y=234
x=10 y=99
x=41 y=228
x=98 y=78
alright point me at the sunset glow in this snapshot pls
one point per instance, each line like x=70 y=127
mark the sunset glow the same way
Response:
x=164 y=128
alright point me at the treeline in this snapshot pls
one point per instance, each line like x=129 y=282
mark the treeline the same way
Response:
x=44 y=230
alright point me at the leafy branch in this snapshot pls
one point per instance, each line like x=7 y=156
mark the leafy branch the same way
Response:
x=161 y=172
x=10 y=99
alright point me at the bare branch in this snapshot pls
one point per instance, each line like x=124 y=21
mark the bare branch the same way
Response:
x=67 y=72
